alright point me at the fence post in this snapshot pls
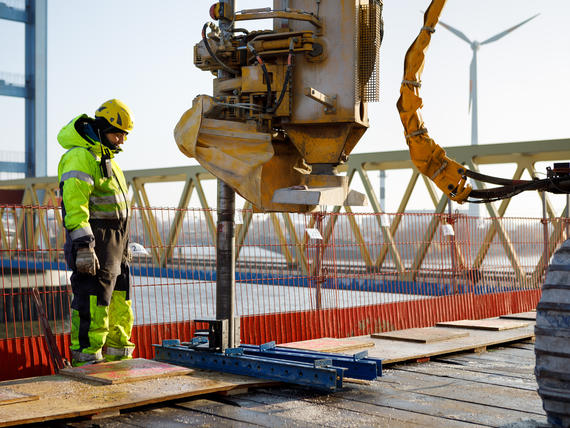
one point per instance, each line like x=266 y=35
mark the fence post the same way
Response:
x=567 y=213
x=545 y=228
x=451 y=222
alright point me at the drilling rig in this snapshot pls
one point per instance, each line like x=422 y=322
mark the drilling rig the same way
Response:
x=289 y=104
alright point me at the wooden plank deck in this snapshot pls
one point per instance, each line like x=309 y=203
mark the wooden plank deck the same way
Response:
x=494 y=388
x=62 y=396
x=393 y=351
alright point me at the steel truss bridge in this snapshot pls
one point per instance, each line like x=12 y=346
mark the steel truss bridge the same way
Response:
x=43 y=191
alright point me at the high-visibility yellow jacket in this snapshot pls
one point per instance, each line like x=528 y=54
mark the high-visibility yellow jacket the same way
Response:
x=88 y=192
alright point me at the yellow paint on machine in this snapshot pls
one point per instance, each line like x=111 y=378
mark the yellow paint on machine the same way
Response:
x=427 y=156
x=239 y=155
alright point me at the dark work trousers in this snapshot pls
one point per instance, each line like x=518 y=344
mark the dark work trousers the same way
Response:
x=92 y=294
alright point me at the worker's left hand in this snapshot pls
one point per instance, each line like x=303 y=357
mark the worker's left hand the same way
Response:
x=128 y=256
x=86 y=261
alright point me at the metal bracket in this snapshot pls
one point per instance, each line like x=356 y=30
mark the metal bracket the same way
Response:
x=216 y=336
x=328 y=101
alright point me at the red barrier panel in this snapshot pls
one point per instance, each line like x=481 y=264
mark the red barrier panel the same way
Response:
x=349 y=322
x=27 y=356
x=368 y=273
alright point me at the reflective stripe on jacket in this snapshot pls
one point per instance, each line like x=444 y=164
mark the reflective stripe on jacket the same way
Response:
x=86 y=192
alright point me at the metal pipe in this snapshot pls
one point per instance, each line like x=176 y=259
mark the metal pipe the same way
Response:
x=383 y=190
x=567 y=214
x=225 y=248
x=281 y=24
x=319 y=254
x=451 y=222
x=545 y=227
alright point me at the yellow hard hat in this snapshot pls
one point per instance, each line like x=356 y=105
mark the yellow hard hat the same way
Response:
x=117 y=114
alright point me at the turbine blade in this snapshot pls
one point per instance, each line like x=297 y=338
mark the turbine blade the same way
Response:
x=455 y=31
x=504 y=33
x=472 y=79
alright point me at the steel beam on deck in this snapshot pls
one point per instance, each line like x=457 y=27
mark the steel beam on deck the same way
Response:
x=358 y=366
x=321 y=374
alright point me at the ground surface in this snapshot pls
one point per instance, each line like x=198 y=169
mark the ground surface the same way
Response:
x=494 y=388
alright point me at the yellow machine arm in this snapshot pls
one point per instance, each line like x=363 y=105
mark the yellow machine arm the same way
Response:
x=427 y=156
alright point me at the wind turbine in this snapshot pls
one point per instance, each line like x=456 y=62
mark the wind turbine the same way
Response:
x=473 y=69
x=475 y=45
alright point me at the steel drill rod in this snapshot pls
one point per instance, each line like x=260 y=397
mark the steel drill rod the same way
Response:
x=225 y=249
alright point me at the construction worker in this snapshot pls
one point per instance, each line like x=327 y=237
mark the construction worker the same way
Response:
x=96 y=218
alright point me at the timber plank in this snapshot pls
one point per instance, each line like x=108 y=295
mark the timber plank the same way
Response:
x=530 y=316
x=7 y=396
x=66 y=397
x=421 y=335
x=348 y=412
x=526 y=359
x=495 y=324
x=125 y=371
x=430 y=394
x=165 y=417
x=392 y=351
x=522 y=345
x=429 y=410
x=241 y=412
x=329 y=344
x=451 y=371
x=524 y=372
x=508 y=399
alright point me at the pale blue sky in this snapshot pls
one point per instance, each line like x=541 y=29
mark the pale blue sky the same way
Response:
x=140 y=51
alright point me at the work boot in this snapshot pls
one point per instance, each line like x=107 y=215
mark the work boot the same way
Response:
x=77 y=363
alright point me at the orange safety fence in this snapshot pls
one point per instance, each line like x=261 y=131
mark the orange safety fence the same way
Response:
x=298 y=276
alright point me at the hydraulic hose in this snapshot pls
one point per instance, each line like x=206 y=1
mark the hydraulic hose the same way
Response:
x=430 y=159
x=288 y=74
x=265 y=74
x=213 y=55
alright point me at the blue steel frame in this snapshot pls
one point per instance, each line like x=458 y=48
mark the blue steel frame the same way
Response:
x=35 y=91
x=320 y=374
x=358 y=366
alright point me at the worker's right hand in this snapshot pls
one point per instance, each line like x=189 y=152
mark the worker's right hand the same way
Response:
x=86 y=261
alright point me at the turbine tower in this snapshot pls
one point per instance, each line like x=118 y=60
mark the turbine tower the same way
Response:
x=473 y=69
x=475 y=45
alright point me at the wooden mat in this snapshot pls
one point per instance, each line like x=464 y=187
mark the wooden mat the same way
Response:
x=487 y=324
x=392 y=351
x=125 y=371
x=329 y=344
x=66 y=397
x=422 y=335
x=7 y=396
x=528 y=316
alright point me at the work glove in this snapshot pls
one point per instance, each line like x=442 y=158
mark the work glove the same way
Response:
x=86 y=261
x=128 y=256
